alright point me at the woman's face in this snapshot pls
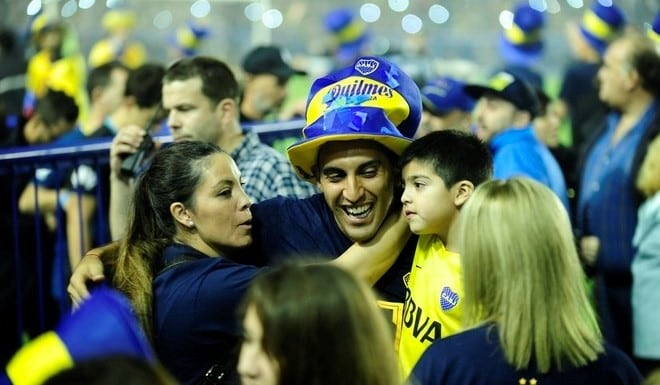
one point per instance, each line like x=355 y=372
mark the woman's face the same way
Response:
x=255 y=366
x=220 y=217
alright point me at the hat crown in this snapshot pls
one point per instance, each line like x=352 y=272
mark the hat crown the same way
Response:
x=337 y=19
x=527 y=18
x=610 y=14
x=269 y=59
x=509 y=87
x=445 y=93
x=370 y=100
x=371 y=82
x=600 y=24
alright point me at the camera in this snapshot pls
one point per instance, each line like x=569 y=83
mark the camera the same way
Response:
x=132 y=164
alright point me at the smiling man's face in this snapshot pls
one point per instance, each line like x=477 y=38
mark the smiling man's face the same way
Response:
x=357 y=181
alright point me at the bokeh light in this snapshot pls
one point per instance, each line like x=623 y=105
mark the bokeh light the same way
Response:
x=411 y=23
x=506 y=19
x=69 y=9
x=163 y=19
x=438 y=14
x=272 y=18
x=370 y=12
x=200 y=8
x=254 y=11
x=398 y=5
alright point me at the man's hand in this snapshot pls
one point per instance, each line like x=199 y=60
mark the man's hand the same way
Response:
x=126 y=142
x=89 y=270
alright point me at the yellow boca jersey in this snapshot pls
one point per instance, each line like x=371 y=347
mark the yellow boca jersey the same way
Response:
x=434 y=307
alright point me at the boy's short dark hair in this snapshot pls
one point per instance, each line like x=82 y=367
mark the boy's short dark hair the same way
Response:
x=454 y=155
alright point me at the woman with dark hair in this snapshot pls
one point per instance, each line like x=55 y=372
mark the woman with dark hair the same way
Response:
x=180 y=261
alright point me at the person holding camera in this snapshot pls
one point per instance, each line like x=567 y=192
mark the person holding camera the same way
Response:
x=200 y=98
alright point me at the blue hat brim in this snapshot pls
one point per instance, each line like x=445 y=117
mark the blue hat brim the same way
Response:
x=303 y=155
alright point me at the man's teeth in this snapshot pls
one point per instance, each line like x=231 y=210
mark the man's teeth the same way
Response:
x=358 y=211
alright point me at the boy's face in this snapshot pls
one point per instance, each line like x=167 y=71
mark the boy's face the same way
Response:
x=356 y=178
x=428 y=205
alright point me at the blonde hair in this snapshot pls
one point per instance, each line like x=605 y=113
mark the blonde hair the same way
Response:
x=648 y=178
x=524 y=276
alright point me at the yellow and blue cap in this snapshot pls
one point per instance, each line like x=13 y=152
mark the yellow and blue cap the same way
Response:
x=522 y=43
x=118 y=19
x=350 y=33
x=188 y=38
x=103 y=325
x=600 y=24
x=373 y=99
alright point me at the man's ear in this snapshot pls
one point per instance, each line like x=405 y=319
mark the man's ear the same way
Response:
x=181 y=214
x=463 y=191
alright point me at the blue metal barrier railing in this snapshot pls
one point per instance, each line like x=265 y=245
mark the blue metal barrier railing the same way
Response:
x=17 y=168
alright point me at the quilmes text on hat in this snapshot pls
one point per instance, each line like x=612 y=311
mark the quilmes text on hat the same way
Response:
x=373 y=99
x=600 y=24
x=507 y=86
x=269 y=59
x=444 y=94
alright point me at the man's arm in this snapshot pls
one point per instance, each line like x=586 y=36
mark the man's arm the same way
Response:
x=120 y=192
x=370 y=260
x=126 y=142
x=80 y=210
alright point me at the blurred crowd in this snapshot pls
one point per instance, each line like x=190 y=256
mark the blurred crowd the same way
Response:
x=590 y=142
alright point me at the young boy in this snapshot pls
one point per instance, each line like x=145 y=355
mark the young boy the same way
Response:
x=439 y=171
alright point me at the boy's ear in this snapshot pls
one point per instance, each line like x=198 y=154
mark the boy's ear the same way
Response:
x=464 y=190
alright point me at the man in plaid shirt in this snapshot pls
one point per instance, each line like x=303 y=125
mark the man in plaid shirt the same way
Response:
x=200 y=95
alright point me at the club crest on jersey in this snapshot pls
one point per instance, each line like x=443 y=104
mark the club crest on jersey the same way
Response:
x=366 y=66
x=448 y=298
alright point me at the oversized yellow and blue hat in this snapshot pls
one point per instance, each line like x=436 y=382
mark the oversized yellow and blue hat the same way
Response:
x=522 y=43
x=373 y=99
x=601 y=24
x=103 y=325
